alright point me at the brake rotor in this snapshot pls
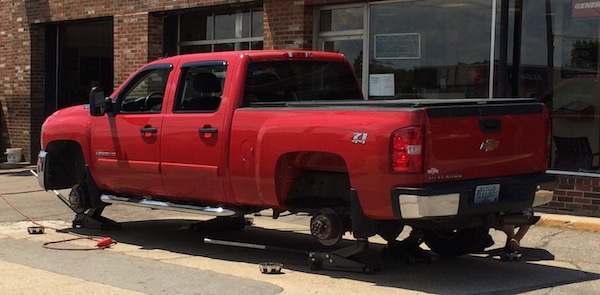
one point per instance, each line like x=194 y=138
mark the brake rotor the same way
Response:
x=327 y=227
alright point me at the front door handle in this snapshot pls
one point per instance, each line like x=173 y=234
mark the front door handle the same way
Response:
x=148 y=130
x=208 y=132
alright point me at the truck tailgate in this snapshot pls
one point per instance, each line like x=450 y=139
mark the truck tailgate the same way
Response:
x=485 y=140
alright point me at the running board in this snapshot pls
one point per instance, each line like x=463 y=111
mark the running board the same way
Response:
x=153 y=204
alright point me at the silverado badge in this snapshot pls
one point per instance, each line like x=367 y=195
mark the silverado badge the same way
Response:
x=489 y=145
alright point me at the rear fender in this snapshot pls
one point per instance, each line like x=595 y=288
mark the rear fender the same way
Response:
x=321 y=174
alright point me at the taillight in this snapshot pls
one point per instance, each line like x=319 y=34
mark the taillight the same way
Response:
x=406 y=148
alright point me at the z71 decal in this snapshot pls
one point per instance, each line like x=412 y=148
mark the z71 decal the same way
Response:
x=356 y=137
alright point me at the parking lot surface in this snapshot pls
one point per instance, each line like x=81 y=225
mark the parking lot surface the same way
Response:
x=156 y=252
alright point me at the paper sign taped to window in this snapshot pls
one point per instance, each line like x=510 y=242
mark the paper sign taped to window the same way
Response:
x=381 y=85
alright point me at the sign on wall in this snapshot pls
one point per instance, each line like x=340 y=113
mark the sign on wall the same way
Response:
x=586 y=9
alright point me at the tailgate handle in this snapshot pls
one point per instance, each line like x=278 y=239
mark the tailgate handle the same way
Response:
x=488 y=126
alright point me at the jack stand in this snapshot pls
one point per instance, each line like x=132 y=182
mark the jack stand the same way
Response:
x=93 y=219
x=409 y=250
x=341 y=259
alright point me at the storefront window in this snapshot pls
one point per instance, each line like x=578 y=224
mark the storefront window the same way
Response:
x=352 y=49
x=435 y=49
x=542 y=49
x=573 y=89
x=208 y=31
x=341 y=19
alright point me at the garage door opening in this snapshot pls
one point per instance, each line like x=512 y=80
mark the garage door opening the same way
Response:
x=79 y=56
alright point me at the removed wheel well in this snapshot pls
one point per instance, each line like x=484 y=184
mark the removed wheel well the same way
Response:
x=313 y=180
x=65 y=164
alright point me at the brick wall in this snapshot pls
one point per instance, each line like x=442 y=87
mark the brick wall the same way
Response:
x=15 y=68
x=575 y=195
x=137 y=40
x=287 y=25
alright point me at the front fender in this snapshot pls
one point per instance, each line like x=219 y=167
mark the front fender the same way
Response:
x=65 y=148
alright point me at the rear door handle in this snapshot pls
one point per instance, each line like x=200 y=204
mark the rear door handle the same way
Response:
x=208 y=130
x=148 y=130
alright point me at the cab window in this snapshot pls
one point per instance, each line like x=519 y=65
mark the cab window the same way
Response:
x=200 y=87
x=146 y=92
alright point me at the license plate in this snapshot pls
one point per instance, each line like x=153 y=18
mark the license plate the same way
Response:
x=487 y=193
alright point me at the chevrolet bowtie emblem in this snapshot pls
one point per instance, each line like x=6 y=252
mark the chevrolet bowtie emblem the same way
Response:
x=489 y=145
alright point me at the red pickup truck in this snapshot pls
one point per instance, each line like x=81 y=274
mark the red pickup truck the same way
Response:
x=232 y=133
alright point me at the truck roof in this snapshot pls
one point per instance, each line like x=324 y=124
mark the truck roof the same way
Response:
x=255 y=55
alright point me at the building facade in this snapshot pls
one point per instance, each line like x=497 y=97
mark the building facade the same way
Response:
x=53 y=51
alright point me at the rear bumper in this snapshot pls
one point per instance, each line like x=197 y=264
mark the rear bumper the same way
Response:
x=517 y=194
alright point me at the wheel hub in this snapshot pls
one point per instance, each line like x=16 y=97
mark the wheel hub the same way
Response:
x=326 y=227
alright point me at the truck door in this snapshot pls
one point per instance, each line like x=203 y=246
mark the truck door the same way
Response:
x=126 y=144
x=193 y=135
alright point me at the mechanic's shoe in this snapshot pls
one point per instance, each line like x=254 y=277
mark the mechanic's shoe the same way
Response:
x=512 y=246
x=510 y=256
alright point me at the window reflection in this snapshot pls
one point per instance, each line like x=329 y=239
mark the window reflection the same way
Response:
x=352 y=49
x=257 y=23
x=425 y=59
x=341 y=19
x=225 y=26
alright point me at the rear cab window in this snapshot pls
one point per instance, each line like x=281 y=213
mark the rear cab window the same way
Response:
x=283 y=81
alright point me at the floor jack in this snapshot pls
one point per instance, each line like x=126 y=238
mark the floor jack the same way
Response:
x=92 y=218
x=336 y=260
x=342 y=259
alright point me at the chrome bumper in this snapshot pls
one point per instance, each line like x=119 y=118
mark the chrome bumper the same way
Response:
x=542 y=197
x=414 y=206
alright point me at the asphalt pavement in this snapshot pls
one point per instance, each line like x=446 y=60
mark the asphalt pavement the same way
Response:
x=157 y=253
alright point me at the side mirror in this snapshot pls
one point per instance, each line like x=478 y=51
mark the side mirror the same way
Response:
x=98 y=102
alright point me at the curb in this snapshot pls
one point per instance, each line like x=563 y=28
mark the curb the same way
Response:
x=590 y=224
